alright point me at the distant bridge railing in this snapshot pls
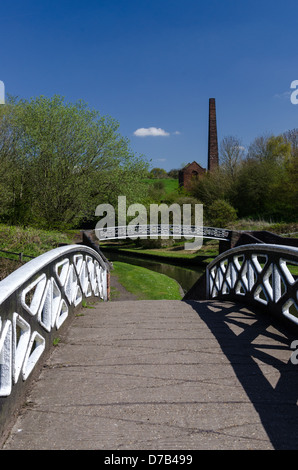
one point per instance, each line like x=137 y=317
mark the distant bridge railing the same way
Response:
x=259 y=274
x=36 y=299
x=161 y=230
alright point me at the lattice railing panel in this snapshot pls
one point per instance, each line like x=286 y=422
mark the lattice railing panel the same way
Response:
x=259 y=274
x=37 y=298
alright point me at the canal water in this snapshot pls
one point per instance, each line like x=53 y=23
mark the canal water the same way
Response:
x=185 y=276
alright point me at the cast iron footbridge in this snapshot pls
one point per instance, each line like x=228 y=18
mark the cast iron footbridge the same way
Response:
x=216 y=370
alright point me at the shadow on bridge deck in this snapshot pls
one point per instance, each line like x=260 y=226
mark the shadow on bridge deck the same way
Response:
x=258 y=350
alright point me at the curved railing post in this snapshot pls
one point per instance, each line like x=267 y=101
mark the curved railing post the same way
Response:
x=35 y=302
x=258 y=274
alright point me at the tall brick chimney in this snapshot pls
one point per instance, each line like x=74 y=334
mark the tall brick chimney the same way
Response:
x=212 y=137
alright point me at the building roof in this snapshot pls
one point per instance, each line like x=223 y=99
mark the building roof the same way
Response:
x=191 y=164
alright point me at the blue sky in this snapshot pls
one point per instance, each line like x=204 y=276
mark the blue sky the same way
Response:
x=155 y=64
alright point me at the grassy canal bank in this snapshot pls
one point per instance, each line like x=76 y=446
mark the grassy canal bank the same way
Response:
x=144 y=284
x=30 y=242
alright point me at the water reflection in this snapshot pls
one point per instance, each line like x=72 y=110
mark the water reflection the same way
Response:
x=185 y=276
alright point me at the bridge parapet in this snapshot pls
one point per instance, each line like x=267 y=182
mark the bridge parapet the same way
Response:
x=162 y=230
x=261 y=275
x=35 y=301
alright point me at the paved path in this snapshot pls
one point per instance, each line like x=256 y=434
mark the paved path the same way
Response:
x=164 y=375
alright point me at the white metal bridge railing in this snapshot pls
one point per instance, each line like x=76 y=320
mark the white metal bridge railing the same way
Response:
x=162 y=230
x=259 y=274
x=35 y=301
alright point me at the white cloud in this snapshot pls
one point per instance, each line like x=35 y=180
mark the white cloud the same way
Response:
x=285 y=94
x=151 y=132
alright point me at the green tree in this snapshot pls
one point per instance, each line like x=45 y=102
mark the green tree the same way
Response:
x=64 y=159
x=158 y=173
x=261 y=181
x=231 y=155
x=291 y=137
x=263 y=184
x=214 y=185
x=251 y=189
x=220 y=213
x=174 y=173
x=291 y=190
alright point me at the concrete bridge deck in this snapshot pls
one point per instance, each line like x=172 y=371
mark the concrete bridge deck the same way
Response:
x=158 y=375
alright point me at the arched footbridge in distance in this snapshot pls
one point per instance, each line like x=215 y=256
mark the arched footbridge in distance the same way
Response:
x=163 y=230
x=213 y=371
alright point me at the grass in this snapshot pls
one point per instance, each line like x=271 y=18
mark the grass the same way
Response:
x=170 y=184
x=283 y=229
x=209 y=249
x=30 y=241
x=146 y=284
x=56 y=341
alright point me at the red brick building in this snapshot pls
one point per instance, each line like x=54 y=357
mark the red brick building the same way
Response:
x=192 y=171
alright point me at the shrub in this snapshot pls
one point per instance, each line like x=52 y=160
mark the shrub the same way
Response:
x=220 y=213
